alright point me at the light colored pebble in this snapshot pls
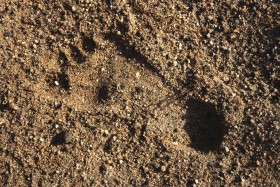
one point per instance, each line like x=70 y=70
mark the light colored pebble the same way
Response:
x=226 y=149
x=163 y=168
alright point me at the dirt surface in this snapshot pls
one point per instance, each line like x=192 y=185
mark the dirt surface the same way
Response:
x=139 y=93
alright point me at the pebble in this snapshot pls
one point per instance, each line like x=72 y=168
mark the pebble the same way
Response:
x=163 y=168
x=73 y=8
x=52 y=37
x=7 y=34
x=137 y=75
x=211 y=164
x=2 y=121
x=56 y=83
x=67 y=136
x=226 y=149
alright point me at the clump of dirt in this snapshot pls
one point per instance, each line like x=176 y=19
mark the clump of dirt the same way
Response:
x=139 y=93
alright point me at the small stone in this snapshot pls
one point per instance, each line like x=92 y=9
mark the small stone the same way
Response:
x=67 y=137
x=163 y=168
x=175 y=63
x=14 y=106
x=7 y=34
x=258 y=163
x=102 y=169
x=90 y=147
x=52 y=37
x=41 y=139
x=73 y=8
x=226 y=149
x=211 y=164
x=196 y=181
x=56 y=83
x=64 y=137
x=137 y=75
x=110 y=162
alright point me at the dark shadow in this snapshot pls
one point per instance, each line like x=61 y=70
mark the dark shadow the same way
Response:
x=204 y=125
x=108 y=145
x=63 y=60
x=103 y=93
x=64 y=81
x=61 y=77
x=89 y=44
x=77 y=54
x=3 y=107
x=3 y=102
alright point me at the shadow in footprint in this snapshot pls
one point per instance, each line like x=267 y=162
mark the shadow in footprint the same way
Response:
x=64 y=81
x=63 y=60
x=77 y=54
x=3 y=103
x=204 y=125
x=58 y=79
x=103 y=93
x=89 y=44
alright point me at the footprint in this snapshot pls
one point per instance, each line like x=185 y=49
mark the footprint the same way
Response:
x=204 y=125
x=59 y=79
x=88 y=44
x=77 y=55
x=63 y=60
x=64 y=81
x=103 y=93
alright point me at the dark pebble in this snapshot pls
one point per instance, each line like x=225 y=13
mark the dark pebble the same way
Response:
x=64 y=137
x=211 y=164
x=7 y=34
x=102 y=169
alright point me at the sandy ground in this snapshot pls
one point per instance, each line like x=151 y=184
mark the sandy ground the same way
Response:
x=139 y=93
